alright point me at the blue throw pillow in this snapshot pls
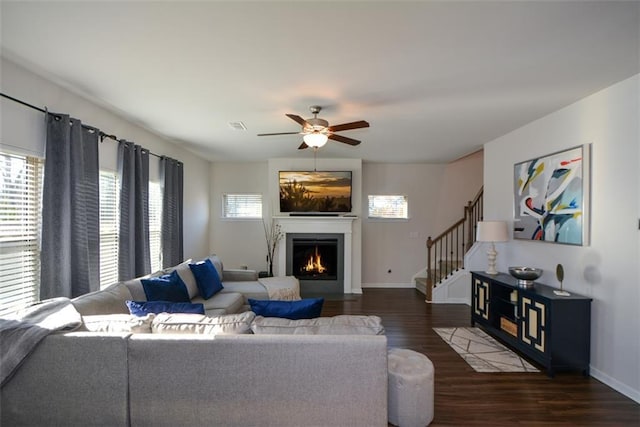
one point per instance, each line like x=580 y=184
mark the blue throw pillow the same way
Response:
x=294 y=310
x=169 y=287
x=207 y=278
x=142 y=308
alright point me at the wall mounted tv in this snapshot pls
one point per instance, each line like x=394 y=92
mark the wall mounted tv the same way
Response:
x=318 y=192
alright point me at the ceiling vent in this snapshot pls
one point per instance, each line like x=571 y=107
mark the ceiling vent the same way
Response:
x=237 y=126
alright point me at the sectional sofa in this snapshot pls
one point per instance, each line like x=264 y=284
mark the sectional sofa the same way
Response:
x=328 y=371
x=238 y=287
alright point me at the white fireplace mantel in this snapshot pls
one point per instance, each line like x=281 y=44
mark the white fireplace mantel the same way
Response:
x=319 y=224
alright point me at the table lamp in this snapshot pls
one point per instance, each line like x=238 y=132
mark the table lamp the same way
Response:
x=492 y=231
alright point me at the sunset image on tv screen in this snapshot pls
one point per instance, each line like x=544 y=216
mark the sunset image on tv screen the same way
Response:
x=315 y=191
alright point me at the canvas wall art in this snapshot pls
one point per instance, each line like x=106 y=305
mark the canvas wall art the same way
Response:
x=551 y=200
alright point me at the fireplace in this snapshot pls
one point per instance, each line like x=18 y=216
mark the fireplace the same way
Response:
x=339 y=227
x=317 y=260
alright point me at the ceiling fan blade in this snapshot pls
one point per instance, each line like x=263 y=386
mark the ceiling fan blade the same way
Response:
x=348 y=126
x=344 y=139
x=280 y=133
x=303 y=146
x=302 y=122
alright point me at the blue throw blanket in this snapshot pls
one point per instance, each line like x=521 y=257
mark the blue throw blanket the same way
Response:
x=21 y=333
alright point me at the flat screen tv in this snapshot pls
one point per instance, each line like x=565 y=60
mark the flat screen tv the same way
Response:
x=318 y=192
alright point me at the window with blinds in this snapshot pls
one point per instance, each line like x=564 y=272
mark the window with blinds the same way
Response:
x=109 y=202
x=242 y=205
x=388 y=207
x=155 y=225
x=109 y=220
x=20 y=220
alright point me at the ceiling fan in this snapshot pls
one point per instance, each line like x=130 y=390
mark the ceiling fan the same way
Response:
x=317 y=131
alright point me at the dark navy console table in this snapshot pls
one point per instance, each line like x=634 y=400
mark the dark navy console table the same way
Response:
x=549 y=329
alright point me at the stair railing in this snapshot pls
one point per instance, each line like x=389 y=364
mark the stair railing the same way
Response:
x=445 y=253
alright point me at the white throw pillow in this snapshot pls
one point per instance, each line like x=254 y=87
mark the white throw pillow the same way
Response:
x=118 y=323
x=106 y=301
x=183 y=323
x=337 y=325
x=184 y=271
x=217 y=263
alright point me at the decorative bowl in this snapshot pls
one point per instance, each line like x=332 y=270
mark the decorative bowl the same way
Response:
x=525 y=275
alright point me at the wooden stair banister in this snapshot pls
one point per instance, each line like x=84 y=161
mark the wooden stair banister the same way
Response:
x=445 y=253
x=473 y=212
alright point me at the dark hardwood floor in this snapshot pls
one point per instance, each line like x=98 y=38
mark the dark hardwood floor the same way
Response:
x=464 y=397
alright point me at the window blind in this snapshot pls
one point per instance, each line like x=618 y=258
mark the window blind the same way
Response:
x=242 y=205
x=388 y=206
x=109 y=196
x=109 y=213
x=155 y=225
x=20 y=219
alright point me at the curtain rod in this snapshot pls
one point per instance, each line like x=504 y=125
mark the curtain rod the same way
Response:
x=103 y=135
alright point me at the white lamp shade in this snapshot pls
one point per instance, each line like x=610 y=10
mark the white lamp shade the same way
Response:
x=492 y=231
x=315 y=139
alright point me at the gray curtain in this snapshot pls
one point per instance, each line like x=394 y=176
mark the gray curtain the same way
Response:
x=172 y=175
x=70 y=243
x=134 y=258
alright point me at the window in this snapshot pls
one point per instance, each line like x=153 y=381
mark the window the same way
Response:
x=388 y=207
x=20 y=220
x=109 y=202
x=109 y=220
x=242 y=205
x=155 y=225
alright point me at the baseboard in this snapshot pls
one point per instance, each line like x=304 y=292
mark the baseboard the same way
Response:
x=615 y=384
x=455 y=301
x=389 y=285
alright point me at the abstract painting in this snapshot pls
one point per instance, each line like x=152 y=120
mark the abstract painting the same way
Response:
x=551 y=197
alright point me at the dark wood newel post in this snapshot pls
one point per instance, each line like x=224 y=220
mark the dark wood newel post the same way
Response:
x=468 y=214
x=429 y=285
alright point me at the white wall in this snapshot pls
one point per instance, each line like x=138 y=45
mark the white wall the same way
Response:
x=399 y=245
x=460 y=184
x=607 y=269
x=437 y=194
x=238 y=242
x=22 y=131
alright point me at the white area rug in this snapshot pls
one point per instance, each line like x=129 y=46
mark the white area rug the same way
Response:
x=482 y=352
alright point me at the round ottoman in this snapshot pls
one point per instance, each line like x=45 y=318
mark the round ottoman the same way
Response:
x=410 y=388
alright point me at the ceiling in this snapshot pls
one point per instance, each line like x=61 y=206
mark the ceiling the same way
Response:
x=435 y=80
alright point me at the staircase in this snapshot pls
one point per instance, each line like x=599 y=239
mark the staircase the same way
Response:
x=445 y=253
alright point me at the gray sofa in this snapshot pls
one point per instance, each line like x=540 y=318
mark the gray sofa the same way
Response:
x=85 y=378
x=239 y=286
x=304 y=377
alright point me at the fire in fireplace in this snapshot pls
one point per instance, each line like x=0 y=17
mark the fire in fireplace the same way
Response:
x=317 y=260
x=314 y=264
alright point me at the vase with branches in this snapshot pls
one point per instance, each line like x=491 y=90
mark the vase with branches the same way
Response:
x=273 y=234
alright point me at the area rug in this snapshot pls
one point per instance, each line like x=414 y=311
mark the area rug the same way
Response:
x=482 y=352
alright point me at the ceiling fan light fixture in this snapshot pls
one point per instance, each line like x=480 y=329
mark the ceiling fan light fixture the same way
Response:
x=316 y=131
x=315 y=139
